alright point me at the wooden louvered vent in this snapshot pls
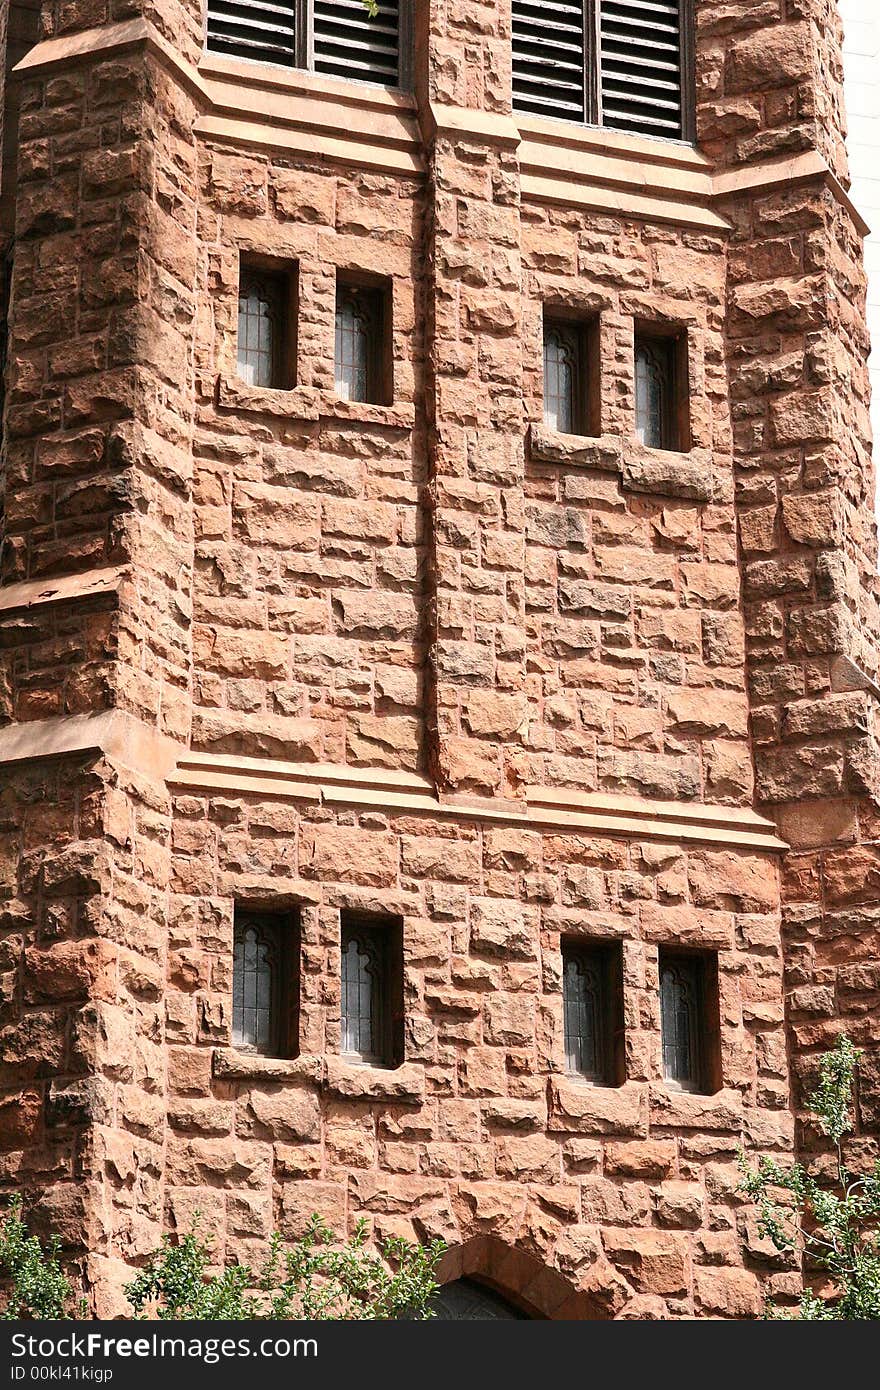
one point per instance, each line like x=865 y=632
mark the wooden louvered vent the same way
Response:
x=262 y=30
x=549 y=59
x=342 y=38
x=641 y=66
x=349 y=42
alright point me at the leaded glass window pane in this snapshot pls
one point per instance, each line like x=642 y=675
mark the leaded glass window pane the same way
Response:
x=585 y=1004
x=260 y=327
x=363 y=993
x=255 y=985
x=561 y=370
x=463 y=1300
x=655 y=405
x=680 y=1021
x=358 y=345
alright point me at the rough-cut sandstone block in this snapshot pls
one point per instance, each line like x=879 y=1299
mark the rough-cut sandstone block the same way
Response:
x=279 y=1112
x=532 y=1159
x=510 y=1020
x=403 y=1084
x=654 y=1261
x=668 y=474
x=349 y=856
x=770 y=57
x=650 y=1159
x=731 y=1293
x=503 y=928
x=679 y=1109
x=577 y=1108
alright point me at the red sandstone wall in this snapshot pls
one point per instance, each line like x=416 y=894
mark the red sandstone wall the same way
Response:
x=435 y=587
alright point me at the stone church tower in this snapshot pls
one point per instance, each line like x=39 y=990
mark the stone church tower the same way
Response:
x=439 y=775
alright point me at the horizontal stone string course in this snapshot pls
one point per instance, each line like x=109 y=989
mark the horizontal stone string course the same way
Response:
x=650 y=180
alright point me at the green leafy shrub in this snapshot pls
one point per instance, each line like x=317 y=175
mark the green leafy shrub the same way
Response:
x=38 y=1286
x=835 y=1228
x=317 y=1278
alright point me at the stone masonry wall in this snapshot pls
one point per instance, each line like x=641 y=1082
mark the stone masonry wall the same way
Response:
x=797 y=350
x=98 y=475
x=628 y=1193
x=212 y=593
x=310 y=554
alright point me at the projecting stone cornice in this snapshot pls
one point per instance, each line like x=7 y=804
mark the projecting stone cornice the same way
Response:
x=256 y=107
x=123 y=739
x=128 y=742
x=104 y=41
x=68 y=588
x=789 y=172
x=113 y=734
x=549 y=809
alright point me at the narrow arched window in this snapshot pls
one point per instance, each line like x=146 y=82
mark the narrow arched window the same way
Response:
x=371 y=1005
x=583 y=1003
x=265 y=959
x=561 y=371
x=592 y=1010
x=682 y=1024
x=360 y=343
x=362 y=997
x=652 y=395
x=260 y=329
x=661 y=412
x=255 y=986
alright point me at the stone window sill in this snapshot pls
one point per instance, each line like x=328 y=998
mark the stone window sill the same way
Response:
x=661 y=472
x=346 y=1079
x=666 y=472
x=586 y=451
x=361 y=1081
x=674 y=1109
x=576 y=1107
x=310 y=404
x=230 y=1065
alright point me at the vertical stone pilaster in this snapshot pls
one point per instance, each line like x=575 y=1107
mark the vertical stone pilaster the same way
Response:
x=797 y=350
x=98 y=492
x=475 y=406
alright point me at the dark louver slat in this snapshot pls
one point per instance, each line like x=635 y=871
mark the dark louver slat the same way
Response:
x=346 y=40
x=262 y=30
x=349 y=43
x=641 y=66
x=549 y=59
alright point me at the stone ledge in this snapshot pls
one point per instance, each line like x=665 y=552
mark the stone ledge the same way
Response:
x=231 y=1065
x=787 y=171
x=685 y=1110
x=352 y=1081
x=67 y=49
x=660 y=472
x=306 y=403
x=481 y=127
x=123 y=738
x=575 y=166
x=405 y=1085
x=601 y=452
x=576 y=1107
x=67 y=588
x=113 y=734
x=667 y=473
